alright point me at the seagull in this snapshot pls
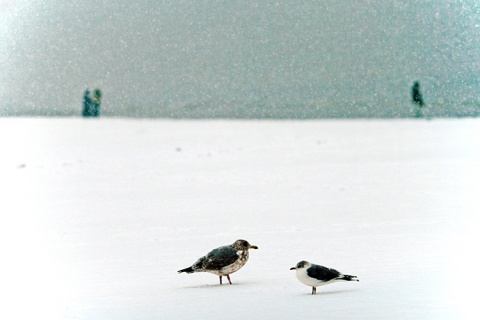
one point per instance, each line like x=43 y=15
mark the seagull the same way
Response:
x=314 y=275
x=223 y=260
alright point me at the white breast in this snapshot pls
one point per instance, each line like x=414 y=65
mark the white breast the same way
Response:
x=305 y=279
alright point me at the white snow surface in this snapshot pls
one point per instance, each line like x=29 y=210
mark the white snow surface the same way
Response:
x=97 y=216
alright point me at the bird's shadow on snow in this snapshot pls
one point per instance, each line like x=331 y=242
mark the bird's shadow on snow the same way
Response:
x=217 y=285
x=328 y=293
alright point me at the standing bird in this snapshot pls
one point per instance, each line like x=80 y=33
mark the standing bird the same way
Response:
x=314 y=275
x=223 y=260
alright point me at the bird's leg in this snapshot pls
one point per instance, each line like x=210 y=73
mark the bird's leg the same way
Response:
x=220 y=279
x=314 y=290
x=228 y=277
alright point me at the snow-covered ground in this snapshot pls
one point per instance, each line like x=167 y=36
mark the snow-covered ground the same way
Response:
x=98 y=215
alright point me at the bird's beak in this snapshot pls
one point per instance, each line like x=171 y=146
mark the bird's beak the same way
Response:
x=253 y=247
x=293 y=268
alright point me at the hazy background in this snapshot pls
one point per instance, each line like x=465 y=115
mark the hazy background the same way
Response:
x=263 y=58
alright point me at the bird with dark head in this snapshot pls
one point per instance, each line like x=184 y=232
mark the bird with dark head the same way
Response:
x=223 y=260
x=315 y=275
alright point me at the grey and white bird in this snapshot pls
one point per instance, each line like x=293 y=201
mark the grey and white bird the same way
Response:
x=314 y=275
x=223 y=260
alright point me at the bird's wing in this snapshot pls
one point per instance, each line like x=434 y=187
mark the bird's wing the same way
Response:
x=322 y=273
x=219 y=258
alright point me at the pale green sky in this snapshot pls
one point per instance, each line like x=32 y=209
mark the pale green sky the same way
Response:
x=175 y=52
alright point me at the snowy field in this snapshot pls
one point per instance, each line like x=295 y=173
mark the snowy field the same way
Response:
x=98 y=215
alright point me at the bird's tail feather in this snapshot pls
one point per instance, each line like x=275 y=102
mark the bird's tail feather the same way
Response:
x=187 y=270
x=347 y=277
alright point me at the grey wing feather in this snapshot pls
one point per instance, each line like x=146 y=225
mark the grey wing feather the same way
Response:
x=218 y=258
x=322 y=273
